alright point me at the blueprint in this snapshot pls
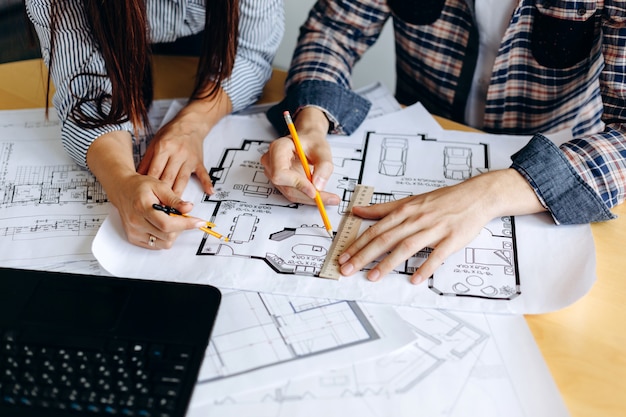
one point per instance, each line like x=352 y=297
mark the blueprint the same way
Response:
x=281 y=246
x=51 y=208
x=262 y=338
x=460 y=365
x=347 y=354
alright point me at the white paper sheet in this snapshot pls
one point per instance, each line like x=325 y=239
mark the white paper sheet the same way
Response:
x=516 y=265
x=474 y=363
x=262 y=339
x=51 y=208
x=460 y=365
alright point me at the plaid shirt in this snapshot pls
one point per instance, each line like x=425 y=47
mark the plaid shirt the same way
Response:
x=561 y=65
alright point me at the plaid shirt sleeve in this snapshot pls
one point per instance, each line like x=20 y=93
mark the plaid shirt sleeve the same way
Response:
x=333 y=38
x=600 y=159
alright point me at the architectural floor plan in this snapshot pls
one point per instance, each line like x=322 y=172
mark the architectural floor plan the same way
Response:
x=245 y=201
x=273 y=353
x=279 y=247
x=261 y=339
x=459 y=365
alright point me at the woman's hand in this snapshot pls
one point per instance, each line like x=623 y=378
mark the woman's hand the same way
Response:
x=445 y=219
x=176 y=151
x=284 y=169
x=110 y=158
x=145 y=226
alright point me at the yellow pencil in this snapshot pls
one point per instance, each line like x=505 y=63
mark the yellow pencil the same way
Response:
x=213 y=233
x=173 y=212
x=307 y=171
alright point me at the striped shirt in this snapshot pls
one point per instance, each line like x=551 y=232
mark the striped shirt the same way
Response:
x=561 y=65
x=261 y=28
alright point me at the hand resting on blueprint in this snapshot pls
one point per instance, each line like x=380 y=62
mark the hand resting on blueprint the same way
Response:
x=445 y=220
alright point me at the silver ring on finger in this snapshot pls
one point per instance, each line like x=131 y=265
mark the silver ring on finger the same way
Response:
x=151 y=241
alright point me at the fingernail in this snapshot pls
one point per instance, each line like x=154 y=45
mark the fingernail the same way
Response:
x=347 y=269
x=201 y=224
x=343 y=258
x=374 y=275
x=417 y=279
x=319 y=183
x=334 y=201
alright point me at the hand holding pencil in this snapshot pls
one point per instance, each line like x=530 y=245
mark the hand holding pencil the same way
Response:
x=307 y=171
x=207 y=228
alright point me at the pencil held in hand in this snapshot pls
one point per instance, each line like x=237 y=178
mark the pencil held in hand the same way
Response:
x=206 y=229
x=307 y=171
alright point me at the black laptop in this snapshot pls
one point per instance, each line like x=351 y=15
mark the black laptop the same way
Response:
x=81 y=345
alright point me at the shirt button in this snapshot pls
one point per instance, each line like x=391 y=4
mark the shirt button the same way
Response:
x=581 y=11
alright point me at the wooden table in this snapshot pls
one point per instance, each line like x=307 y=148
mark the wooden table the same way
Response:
x=584 y=344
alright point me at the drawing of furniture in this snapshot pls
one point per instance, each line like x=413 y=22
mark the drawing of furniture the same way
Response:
x=393 y=155
x=252 y=190
x=243 y=229
x=457 y=163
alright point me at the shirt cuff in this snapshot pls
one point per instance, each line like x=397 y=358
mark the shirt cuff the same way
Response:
x=558 y=186
x=345 y=109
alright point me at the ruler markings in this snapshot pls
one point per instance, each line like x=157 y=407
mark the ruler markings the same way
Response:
x=346 y=234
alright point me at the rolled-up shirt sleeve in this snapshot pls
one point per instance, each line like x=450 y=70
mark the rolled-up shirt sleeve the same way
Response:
x=332 y=40
x=568 y=198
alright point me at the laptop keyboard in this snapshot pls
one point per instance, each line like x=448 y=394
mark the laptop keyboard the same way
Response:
x=123 y=378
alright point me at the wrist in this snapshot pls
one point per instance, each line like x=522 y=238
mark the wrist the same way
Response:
x=311 y=120
x=204 y=113
x=510 y=193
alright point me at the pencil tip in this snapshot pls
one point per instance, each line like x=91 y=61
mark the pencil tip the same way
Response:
x=330 y=233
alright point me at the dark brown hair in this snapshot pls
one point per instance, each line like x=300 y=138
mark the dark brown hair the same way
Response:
x=120 y=29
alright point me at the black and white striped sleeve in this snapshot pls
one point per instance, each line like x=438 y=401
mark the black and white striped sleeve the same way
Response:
x=75 y=54
x=261 y=29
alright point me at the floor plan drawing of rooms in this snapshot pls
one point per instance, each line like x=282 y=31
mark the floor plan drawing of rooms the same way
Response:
x=262 y=339
x=290 y=238
x=47 y=187
x=51 y=208
x=444 y=343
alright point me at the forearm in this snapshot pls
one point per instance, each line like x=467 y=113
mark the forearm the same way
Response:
x=110 y=159
x=507 y=193
x=200 y=115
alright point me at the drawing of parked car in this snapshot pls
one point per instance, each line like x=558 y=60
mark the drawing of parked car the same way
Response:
x=457 y=163
x=393 y=155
